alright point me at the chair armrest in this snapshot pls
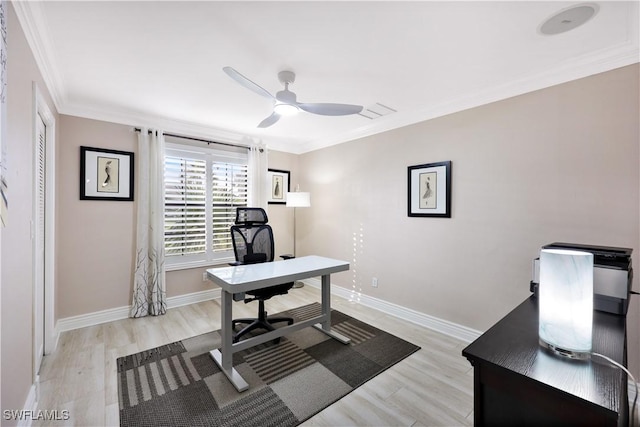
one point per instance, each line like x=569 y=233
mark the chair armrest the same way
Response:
x=236 y=263
x=287 y=256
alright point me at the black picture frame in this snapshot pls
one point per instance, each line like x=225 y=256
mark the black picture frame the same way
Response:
x=429 y=190
x=106 y=174
x=279 y=182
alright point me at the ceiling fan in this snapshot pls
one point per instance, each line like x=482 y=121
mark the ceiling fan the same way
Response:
x=285 y=102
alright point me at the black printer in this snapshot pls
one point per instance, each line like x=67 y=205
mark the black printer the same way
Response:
x=612 y=275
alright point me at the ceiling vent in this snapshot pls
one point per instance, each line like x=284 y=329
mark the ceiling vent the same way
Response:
x=376 y=111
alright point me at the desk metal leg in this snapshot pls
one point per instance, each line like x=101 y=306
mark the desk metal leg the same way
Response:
x=325 y=325
x=224 y=357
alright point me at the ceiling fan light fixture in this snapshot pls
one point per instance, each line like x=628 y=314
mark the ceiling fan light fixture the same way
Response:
x=283 y=109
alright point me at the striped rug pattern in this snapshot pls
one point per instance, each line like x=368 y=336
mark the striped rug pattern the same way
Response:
x=179 y=384
x=275 y=362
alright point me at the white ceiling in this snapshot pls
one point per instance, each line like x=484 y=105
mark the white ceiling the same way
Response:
x=159 y=63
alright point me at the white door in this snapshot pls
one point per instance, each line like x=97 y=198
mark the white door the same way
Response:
x=39 y=241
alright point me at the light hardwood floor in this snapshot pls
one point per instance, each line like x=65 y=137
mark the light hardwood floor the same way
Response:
x=432 y=387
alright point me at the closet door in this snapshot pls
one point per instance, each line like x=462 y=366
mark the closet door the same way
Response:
x=39 y=241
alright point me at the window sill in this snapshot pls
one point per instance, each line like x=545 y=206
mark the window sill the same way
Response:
x=223 y=262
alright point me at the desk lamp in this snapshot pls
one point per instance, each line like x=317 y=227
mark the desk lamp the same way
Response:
x=566 y=302
x=297 y=199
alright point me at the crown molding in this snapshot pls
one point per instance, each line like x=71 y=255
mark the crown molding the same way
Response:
x=35 y=29
x=607 y=59
x=625 y=54
x=139 y=119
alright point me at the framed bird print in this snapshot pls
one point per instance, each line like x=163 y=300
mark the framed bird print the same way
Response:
x=106 y=174
x=279 y=182
x=429 y=188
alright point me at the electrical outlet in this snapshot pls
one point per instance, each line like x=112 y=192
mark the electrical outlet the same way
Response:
x=374 y=282
x=204 y=276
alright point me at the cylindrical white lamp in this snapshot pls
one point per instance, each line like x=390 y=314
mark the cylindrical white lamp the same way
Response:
x=566 y=302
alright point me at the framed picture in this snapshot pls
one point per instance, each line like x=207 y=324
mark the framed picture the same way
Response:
x=279 y=182
x=430 y=190
x=106 y=174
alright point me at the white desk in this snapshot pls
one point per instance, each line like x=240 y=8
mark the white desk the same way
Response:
x=243 y=278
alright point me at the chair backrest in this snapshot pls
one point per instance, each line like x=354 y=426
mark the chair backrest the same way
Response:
x=252 y=236
x=250 y=216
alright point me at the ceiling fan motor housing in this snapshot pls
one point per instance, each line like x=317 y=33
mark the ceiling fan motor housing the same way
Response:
x=286 y=96
x=286 y=77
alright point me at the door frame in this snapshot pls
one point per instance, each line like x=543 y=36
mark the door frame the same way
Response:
x=41 y=108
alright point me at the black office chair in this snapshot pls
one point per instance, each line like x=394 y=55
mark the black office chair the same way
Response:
x=253 y=243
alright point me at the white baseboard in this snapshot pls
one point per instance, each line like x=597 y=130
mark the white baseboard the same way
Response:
x=193 y=298
x=449 y=328
x=455 y=330
x=443 y=326
x=119 y=313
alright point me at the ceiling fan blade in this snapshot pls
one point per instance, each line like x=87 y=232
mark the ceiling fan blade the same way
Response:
x=274 y=117
x=330 y=109
x=247 y=83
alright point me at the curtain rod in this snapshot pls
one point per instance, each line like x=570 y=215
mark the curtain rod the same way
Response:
x=199 y=139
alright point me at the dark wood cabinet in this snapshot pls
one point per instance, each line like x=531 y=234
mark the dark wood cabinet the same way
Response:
x=517 y=382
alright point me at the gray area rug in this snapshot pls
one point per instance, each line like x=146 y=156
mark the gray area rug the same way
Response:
x=180 y=385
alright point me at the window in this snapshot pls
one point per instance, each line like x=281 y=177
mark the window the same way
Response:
x=203 y=187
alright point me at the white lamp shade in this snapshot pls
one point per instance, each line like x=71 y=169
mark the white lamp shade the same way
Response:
x=298 y=199
x=566 y=302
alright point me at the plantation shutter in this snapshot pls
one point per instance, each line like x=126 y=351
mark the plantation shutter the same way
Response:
x=229 y=190
x=203 y=188
x=185 y=206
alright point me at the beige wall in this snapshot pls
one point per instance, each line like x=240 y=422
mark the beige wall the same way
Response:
x=560 y=164
x=96 y=239
x=17 y=264
x=280 y=216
